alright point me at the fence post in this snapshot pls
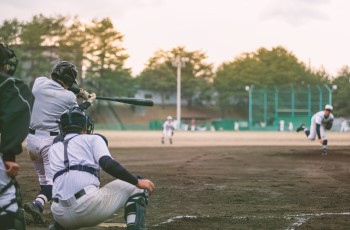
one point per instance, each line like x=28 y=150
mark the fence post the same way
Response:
x=309 y=102
x=276 y=105
x=265 y=105
x=329 y=94
x=320 y=98
x=293 y=95
x=250 y=105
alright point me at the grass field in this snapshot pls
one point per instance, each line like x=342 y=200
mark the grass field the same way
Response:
x=230 y=180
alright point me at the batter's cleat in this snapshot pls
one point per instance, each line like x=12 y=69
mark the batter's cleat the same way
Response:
x=35 y=212
x=171 y=141
x=324 y=152
x=162 y=141
x=301 y=128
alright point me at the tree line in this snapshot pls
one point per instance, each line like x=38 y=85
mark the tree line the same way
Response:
x=96 y=48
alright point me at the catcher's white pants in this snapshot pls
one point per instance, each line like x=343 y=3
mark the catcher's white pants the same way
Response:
x=10 y=193
x=313 y=133
x=38 y=146
x=96 y=206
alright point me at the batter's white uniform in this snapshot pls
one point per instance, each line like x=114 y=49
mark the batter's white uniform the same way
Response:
x=98 y=204
x=319 y=118
x=51 y=100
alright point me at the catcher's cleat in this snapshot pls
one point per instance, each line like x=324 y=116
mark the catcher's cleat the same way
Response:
x=35 y=212
x=171 y=141
x=54 y=225
x=301 y=128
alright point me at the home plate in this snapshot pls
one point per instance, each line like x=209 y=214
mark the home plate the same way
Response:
x=108 y=225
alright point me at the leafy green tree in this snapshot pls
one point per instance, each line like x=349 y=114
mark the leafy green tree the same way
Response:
x=263 y=67
x=196 y=74
x=342 y=94
x=10 y=31
x=105 y=57
x=72 y=46
x=160 y=78
x=39 y=40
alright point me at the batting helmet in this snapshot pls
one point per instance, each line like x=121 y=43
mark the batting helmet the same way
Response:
x=74 y=119
x=9 y=58
x=66 y=72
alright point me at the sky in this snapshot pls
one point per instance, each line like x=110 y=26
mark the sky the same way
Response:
x=315 y=31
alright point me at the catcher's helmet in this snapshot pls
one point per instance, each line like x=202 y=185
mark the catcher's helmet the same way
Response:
x=9 y=58
x=73 y=120
x=66 y=72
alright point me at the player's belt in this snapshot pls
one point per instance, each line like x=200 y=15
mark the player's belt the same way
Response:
x=76 y=195
x=33 y=131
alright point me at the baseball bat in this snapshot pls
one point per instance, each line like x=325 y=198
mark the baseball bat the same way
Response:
x=127 y=100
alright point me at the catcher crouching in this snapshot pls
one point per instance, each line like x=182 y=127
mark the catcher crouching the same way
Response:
x=78 y=199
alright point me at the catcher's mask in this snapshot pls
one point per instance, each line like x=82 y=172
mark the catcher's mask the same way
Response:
x=9 y=58
x=74 y=120
x=66 y=72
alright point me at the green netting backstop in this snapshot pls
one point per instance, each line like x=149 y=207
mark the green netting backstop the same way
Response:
x=269 y=105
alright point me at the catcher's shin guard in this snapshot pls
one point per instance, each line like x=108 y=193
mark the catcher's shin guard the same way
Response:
x=135 y=211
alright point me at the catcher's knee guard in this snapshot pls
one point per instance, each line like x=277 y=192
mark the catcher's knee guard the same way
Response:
x=135 y=211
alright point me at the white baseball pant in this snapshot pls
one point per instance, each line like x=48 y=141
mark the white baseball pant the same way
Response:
x=96 y=206
x=38 y=146
x=313 y=134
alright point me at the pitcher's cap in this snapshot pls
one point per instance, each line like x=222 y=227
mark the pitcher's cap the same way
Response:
x=329 y=107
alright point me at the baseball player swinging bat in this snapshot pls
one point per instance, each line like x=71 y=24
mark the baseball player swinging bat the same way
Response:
x=132 y=101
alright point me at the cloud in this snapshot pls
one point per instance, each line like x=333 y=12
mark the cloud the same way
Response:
x=296 y=12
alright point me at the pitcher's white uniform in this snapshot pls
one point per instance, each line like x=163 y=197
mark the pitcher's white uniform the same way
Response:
x=320 y=121
x=319 y=118
x=96 y=204
x=51 y=100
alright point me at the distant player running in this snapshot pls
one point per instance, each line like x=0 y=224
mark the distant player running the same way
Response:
x=168 y=130
x=320 y=122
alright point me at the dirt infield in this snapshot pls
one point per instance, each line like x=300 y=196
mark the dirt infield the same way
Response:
x=231 y=180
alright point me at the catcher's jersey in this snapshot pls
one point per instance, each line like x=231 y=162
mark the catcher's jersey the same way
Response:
x=83 y=149
x=51 y=100
x=168 y=125
x=320 y=119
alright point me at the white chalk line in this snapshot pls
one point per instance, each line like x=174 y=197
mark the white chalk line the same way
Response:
x=300 y=218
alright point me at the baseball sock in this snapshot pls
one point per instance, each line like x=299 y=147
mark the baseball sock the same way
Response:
x=307 y=132
x=39 y=202
x=324 y=145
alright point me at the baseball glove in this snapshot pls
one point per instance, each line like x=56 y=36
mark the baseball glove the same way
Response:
x=329 y=125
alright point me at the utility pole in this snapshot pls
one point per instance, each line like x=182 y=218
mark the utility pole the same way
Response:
x=179 y=62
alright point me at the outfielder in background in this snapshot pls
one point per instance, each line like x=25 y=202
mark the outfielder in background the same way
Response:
x=52 y=97
x=168 y=130
x=320 y=122
x=78 y=200
x=15 y=108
